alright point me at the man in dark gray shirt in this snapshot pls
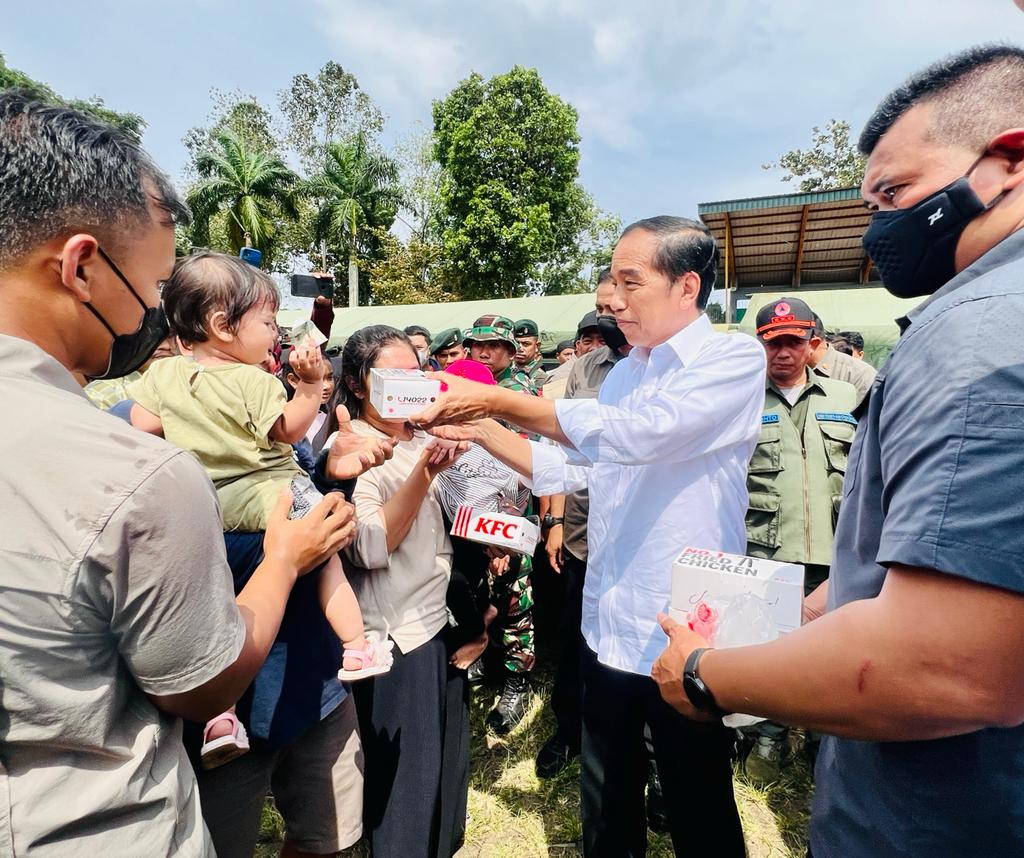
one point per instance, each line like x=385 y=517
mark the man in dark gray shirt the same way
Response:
x=915 y=668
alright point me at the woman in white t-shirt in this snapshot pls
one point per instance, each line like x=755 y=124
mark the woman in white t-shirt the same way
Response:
x=414 y=722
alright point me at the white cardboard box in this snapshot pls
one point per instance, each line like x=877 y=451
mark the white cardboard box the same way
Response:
x=399 y=393
x=511 y=532
x=701 y=575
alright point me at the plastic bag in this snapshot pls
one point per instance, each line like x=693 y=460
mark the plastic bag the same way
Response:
x=743 y=620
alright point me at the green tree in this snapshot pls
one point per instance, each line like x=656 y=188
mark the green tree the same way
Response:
x=403 y=272
x=508 y=149
x=575 y=269
x=716 y=313
x=253 y=189
x=832 y=161
x=328 y=107
x=355 y=193
x=131 y=123
x=242 y=115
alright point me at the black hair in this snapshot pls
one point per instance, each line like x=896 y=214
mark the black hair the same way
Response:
x=683 y=245
x=357 y=359
x=841 y=344
x=604 y=276
x=413 y=330
x=854 y=338
x=62 y=172
x=286 y=370
x=207 y=282
x=977 y=93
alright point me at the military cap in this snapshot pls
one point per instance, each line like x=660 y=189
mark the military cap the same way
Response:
x=491 y=327
x=445 y=340
x=785 y=317
x=526 y=328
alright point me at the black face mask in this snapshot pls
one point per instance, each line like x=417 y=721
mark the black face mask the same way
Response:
x=130 y=351
x=610 y=333
x=914 y=249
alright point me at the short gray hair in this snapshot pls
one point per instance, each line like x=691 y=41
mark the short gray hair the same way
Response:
x=62 y=172
x=683 y=245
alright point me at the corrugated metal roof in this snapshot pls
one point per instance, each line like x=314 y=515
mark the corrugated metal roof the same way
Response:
x=791 y=240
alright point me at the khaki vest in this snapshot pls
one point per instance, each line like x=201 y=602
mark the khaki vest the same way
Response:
x=796 y=482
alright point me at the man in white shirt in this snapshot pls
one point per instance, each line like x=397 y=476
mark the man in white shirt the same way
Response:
x=664 y=450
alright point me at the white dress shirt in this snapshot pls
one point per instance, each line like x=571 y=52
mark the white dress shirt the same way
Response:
x=664 y=451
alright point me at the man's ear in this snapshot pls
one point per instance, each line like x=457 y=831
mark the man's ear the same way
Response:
x=80 y=263
x=690 y=287
x=1009 y=144
x=815 y=342
x=217 y=323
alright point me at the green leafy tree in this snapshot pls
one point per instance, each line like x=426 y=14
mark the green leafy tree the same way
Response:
x=402 y=273
x=131 y=123
x=716 y=313
x=242 y=115
x=355 y=193
x=508 y=149
x=252 y=189
x=576 y=268
x=328 y=107
x=832 y=161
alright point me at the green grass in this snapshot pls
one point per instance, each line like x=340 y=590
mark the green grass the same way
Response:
x=513 y=814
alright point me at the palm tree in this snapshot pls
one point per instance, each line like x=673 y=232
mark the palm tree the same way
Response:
x=357 y=188
x=253 y=187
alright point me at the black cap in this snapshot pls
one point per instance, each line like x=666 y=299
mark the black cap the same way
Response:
x=565 y=344
x=786 y=317
x=588 y=321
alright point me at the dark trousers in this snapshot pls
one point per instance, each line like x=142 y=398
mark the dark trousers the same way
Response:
x=693 y=760
x=567 y=694
x=414 y=723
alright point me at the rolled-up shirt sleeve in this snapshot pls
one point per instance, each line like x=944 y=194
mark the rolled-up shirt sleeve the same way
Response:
x=553 y=473
x=709 y=406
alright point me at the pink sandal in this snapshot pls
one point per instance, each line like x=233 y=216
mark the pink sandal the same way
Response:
x=223 y=749
x=375 y=659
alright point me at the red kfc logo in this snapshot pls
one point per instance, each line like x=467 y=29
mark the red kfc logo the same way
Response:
x=491 y=527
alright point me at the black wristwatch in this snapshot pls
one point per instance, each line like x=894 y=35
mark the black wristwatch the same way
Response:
x=550 y=521
x=700 y=695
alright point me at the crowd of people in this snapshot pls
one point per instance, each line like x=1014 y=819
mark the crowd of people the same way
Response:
x=226 y=574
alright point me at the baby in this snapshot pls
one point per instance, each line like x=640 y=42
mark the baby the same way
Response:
x=234 y=417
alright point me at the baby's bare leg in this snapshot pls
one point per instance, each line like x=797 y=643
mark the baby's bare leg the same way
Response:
x=341 y=609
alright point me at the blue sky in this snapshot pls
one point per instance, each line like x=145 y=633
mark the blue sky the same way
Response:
x=679 y=102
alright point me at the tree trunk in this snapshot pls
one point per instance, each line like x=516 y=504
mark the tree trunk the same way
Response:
x=353 y=281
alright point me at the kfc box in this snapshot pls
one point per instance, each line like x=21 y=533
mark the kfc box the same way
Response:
x=399 y=393
x=511 y=532
x=714 y=578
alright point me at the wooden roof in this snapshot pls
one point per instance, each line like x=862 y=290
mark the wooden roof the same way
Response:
x=791 y=240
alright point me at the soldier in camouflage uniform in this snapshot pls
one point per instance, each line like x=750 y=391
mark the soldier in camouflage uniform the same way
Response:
x=528 y=357
x=491 y=342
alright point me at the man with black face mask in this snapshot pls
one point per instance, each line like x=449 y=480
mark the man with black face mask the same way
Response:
x=914 y=669
x=117 y=613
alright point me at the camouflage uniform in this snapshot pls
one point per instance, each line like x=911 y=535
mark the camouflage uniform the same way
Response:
x=536 y=372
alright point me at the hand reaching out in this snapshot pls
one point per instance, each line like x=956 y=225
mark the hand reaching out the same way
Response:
x=307 y=363
x=352 y=454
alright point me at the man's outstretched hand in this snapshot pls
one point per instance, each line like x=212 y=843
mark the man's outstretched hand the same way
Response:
x=464 y=400
x=352 y=454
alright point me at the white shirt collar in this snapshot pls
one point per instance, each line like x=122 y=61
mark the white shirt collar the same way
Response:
x=685 y=343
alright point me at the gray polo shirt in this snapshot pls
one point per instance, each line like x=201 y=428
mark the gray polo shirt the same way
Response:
x=934 y=481
x=113 y=584
x=842 y=367
x=585 y=379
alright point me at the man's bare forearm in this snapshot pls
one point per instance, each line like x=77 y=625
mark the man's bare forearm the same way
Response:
x=865 y=671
